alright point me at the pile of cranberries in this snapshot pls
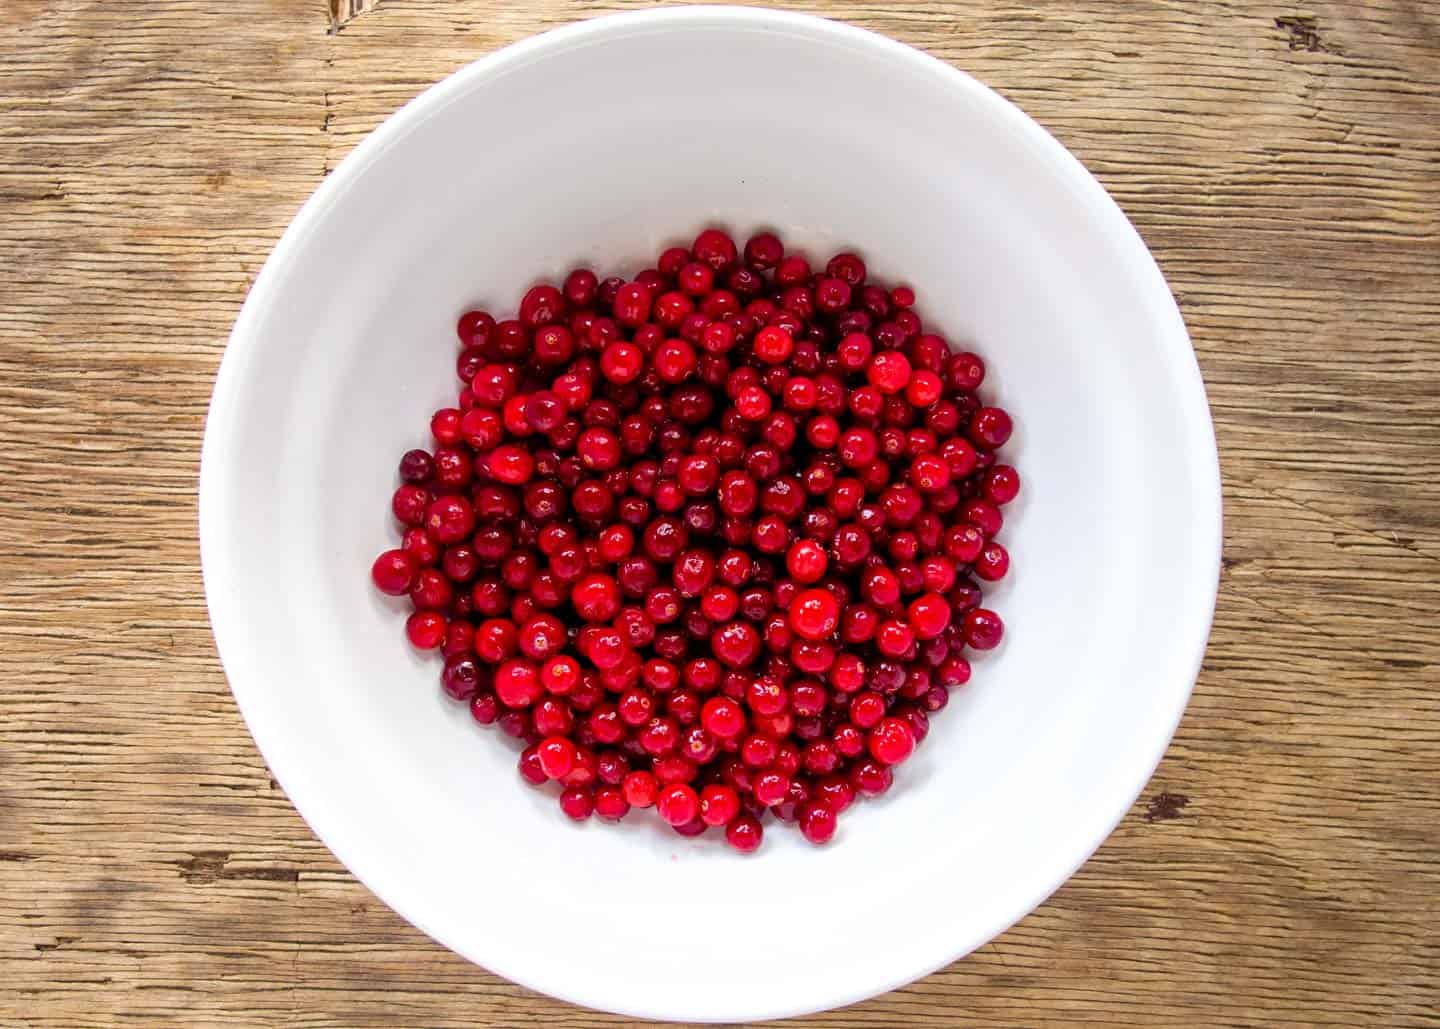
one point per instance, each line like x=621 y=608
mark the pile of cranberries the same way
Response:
x=707 y=540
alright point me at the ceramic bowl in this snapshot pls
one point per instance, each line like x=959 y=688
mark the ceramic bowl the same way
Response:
x=600 y=144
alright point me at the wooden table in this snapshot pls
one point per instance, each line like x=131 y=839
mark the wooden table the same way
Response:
x=1283 y=164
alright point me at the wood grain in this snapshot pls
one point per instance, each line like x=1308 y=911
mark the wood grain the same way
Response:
x=1282 y=162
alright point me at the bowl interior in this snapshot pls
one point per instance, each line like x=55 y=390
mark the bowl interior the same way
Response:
x=600 y=145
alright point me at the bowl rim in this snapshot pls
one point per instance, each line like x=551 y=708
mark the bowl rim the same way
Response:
x=225 y=612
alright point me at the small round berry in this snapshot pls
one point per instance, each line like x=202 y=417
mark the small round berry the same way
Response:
x=891 y=741
x=930 y=473
x=610 y=803
x=517 y=683
x=889 y=371
x=817 y=822
x=394 y=572
x=426 y=630
x=992 y=563
x=714 y=248
x=990 y=427
x=814 y=614
x=745 y=834
x=773 y=345
x=929 y=615
x=723 y=718
x=983 y=628
x=557 y=756
x=632 y=305
x=622 y=362
x=596 y=598
x=770 y=788
x=460 y=678
x=736 y=644
x=578 y=803
x=640 y=789
x=530 y=769
x=678 y=804
x=806 y=561
x=753 y=404
x=924 y=388
x=719 y=805
x=473 y=327
x=542 y=305
x=1000 y=484
x=866 y=709
x=511 y=465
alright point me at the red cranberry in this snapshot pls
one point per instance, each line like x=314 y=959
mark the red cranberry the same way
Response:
x=891 y=741
x=714 y=248
x=596 y=598
x=806 y=561
x=677 y=804
x=425 y=630
x=394 y=572
x=473 y=327
x=983 y=628
x=990 y=427
x=719 y=805
x=817 y=822
x=578 y=803
x=1000 y=484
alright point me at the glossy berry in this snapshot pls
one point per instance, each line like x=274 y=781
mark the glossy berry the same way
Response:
x=814 y=614
x=817 y=822
x=983 y=629
x=426 y=630
x=677 y=804
x=891 y=741
x=556 y=756
x=745 y=834
x=394 y=572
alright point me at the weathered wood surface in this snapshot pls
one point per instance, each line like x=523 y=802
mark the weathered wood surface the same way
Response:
x=1284 y=165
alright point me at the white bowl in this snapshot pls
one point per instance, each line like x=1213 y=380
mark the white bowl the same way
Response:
x=600 y=143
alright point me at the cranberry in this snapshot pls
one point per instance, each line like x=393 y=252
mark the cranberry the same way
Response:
x=814 y=614
x=1000 y=484
x=394 y=572
x=736 y=644
x=460 y=677
x=556 y=756
x=596 y=598
x=744 y=833
x=426 y=630
x=577 y=803
x=806 y=561
x=517 y=683
x=640 y=789
x=677 y=804
x=990 y=427
x=983 y=628
x=992 y=562
x=610 y=803
x=870 y=778
x=770 y=788
x=891 y=741
x=473 y=327
x=764 y=251
x=817 y=822
x=719 y=805
x=714 y=248
x=511 y=464
x=929 y=615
